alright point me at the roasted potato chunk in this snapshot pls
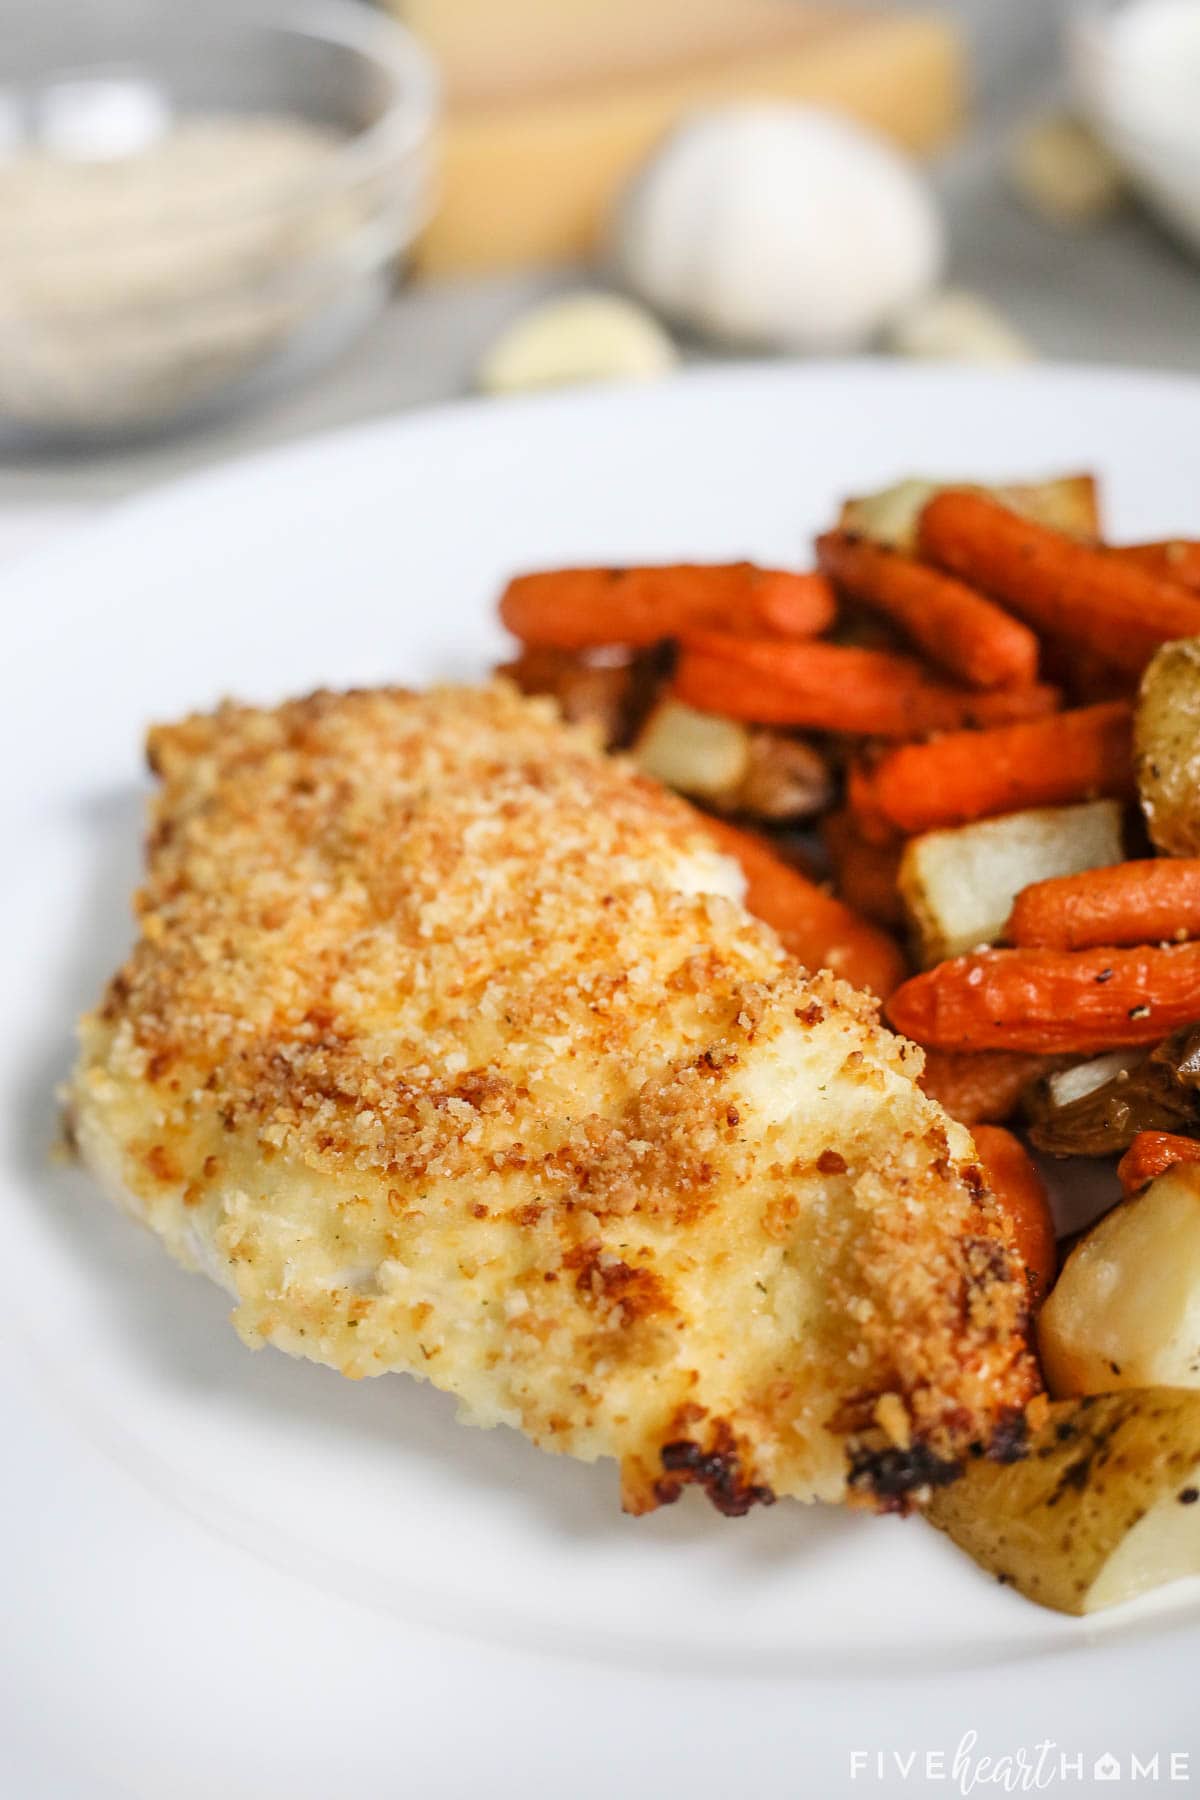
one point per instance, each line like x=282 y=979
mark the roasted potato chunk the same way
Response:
x=697 y=753
x=1068 y=504
x=958 y=886
x=1126 y=1310
x=732 y=767
x=1166 y=747
x=1103 y=1508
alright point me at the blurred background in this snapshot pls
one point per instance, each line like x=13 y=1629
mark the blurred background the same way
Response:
x=226 y=228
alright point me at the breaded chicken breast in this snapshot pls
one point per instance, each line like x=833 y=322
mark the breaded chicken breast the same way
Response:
x=448 y=1047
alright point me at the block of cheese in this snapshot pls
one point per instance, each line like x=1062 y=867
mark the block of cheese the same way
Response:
x=530 y=179
x=492 y=50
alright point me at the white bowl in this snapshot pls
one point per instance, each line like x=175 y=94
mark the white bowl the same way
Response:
x=150 y=298
x=1135 y=68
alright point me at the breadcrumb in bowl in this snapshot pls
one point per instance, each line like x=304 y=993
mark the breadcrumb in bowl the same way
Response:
x=447 y=1047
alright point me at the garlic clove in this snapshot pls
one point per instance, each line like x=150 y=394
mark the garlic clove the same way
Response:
x=957 y=326
x=1062 y=171
x=779 y=226
x=580 y=338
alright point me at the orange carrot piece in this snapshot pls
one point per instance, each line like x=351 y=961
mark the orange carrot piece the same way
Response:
x=1048 y=1001
x=1177 y=559
x=1152 y=902
x=1151 y=1154
x=584 y=609
x=1058 y=585
x=1021 y=1196
x=864 y=874
x=813 y=926
x=832 y=687
x=968 y=636
x=975 y=775
x=981 y=1087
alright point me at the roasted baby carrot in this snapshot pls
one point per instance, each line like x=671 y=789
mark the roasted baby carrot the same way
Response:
x=1151 y=1154
x=584 y=609
x=964 y=776
x=1021 y=1195
x=981 y=1087
x=864 y=874
x=1176 y=559
x=1048 y=1001
x=968 y=636
x=1152 y=902
x=833 y=687
x=1058 y=585
x=813 y=926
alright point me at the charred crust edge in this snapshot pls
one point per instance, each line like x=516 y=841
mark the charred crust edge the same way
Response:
x=891 y=1477
x=717 y=1471
x=894 y=1479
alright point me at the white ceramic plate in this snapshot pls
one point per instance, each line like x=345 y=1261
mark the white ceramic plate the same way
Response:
x=237 y=1575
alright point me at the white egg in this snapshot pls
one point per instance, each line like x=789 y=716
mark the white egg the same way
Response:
x=779 y=226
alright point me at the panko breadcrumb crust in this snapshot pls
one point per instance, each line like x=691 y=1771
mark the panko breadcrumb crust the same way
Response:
x=445 y=1049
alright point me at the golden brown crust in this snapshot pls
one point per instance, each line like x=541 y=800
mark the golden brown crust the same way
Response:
x=441 y=1048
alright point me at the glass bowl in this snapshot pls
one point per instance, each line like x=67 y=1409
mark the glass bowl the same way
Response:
x=1135 y=71
x=196 y=201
